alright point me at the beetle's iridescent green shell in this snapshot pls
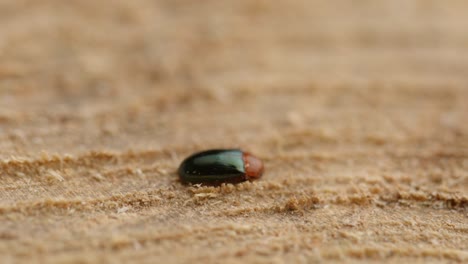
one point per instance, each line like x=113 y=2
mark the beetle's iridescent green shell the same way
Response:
x=218 y=166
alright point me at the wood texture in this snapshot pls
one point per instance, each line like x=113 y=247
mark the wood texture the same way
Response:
x=358 y=108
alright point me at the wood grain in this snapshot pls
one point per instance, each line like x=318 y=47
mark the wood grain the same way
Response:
x=358 y=109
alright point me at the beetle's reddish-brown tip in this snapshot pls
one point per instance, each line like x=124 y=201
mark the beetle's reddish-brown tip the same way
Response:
x=253 y=166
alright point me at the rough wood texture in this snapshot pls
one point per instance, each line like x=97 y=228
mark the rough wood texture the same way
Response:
x=358 y=108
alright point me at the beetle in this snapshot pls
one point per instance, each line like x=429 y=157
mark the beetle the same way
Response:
x=217 y=166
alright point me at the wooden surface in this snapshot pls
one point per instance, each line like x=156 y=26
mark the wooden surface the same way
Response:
x=359 y=110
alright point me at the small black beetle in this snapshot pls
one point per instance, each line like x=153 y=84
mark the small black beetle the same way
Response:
x=213 y=167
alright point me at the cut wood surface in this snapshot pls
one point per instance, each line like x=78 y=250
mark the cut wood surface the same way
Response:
x=359 y=110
